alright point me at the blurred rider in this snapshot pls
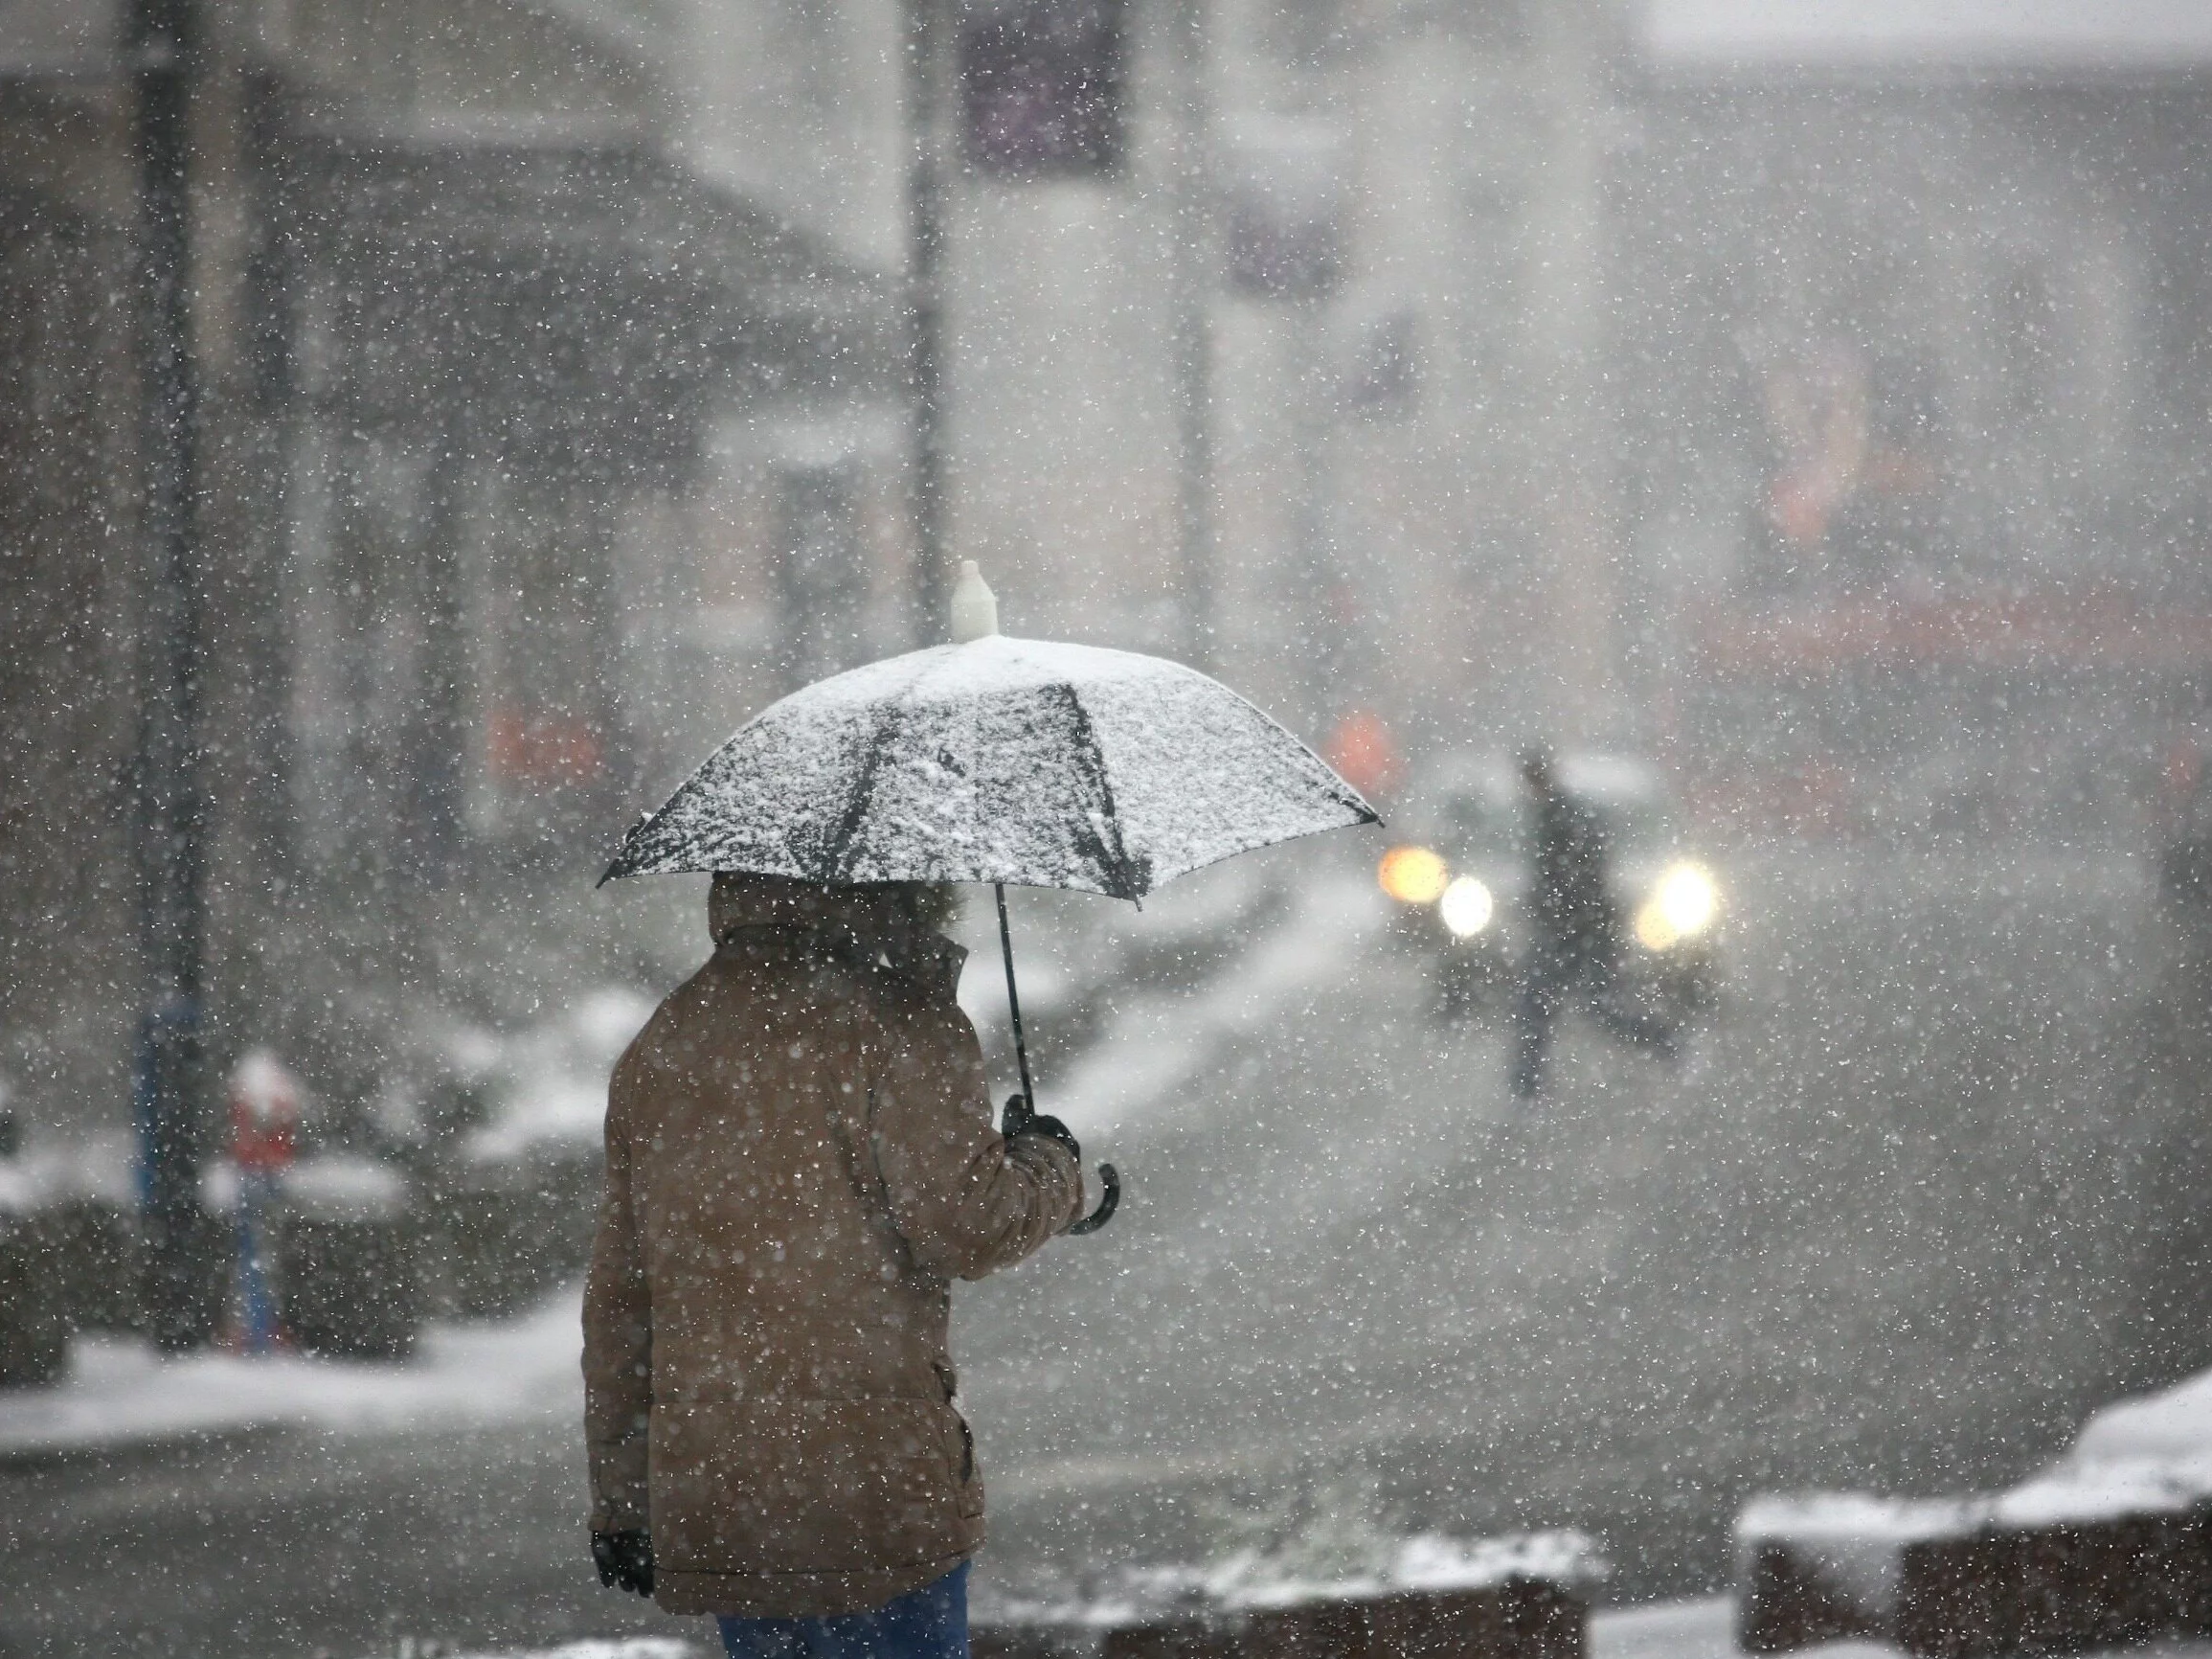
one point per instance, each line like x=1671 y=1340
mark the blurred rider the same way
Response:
x=1574 y=950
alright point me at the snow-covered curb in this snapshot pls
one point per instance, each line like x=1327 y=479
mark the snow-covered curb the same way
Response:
x=2145 y=1456
x=44 y=1176
x=118 y=1391
x=1251 y=1582
x=591 y=1647
x=1661 y=1630
x=1428 y=1563
x=549 y=1083
x=1838 y=1561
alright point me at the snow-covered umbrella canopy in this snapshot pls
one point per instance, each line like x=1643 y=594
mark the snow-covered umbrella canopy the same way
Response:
x=1020 y=761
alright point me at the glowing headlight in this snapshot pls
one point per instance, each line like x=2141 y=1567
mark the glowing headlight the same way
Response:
x=1682 y=906
x=1466 y=907
x=1413 y=875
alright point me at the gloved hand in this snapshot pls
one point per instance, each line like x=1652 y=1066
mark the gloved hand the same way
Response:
x=625 y=1560
x=1020 y=1120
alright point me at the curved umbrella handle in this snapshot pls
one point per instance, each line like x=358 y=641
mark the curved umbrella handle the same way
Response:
x=1107 y=1205
x=1028 y=1098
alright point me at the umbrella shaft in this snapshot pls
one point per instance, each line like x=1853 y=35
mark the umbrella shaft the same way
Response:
x=1014 y=998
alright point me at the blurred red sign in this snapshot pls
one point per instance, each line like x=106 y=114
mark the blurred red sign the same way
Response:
x=1363 y=753
x=526 y=749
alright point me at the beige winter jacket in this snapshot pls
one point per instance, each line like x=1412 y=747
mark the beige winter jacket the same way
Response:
x=799 y=1160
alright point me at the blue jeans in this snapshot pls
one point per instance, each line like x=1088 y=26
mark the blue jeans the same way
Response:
x=930 y=1623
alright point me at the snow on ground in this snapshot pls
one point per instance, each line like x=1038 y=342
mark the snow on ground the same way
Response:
x=1075 y=951
x=46 y=1174
x=1159 y=1041
x=1704 y=1629
x=617 y=1648
x=1701 y=1629
x=119 y=1392
x=2135 y=1456
x=1666 y=1630
x=2145 y=1456
x=2154 y=1451
x=1430 y=1561
x=2141 y=1456
x=549 y=1083
x=1333 y=1561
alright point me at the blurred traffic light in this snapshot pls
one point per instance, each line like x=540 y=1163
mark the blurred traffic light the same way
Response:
x=1364 y=753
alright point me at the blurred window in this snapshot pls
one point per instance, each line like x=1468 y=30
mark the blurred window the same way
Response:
x=1042 y=87
x=819 y=584
x=1383 y=382
x=1283 y=209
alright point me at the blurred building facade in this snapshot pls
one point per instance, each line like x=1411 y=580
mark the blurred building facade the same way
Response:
x=1918 y=479
x=1830 y=418
x=1816 y=402
x=476 y=301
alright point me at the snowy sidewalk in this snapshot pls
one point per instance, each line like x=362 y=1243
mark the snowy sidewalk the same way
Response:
x=1699 y=1629
x=594 y=1647
x=1706 y=1629
x=1665 y=1630
x=118 y=1391
x=1157 y=1041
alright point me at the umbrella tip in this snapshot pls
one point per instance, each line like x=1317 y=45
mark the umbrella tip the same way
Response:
x=975 y=607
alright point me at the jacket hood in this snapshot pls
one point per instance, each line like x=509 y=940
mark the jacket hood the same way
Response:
x=739 y=902
x=865 y=916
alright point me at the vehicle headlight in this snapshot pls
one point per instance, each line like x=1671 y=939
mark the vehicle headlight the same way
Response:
x=1682 y=906
x=1413 y=875
x=1466 y=907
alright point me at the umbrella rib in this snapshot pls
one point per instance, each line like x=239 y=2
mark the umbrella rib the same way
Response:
x=1087 y=750
x=837 y=853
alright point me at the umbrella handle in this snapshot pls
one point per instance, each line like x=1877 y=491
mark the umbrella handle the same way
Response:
x=1107 y=1176
x=1107 y=1205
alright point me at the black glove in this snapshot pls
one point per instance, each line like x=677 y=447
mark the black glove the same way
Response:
x=1020 y=1120
x=625 y=1560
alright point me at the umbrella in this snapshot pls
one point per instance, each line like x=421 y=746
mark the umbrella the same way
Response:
x=1003 y=762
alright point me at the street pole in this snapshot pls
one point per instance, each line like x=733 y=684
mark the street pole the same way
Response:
x=169 y=1081
x=924 y=23
x=1320 y=579
x=1192 y=275
x=1577 y=486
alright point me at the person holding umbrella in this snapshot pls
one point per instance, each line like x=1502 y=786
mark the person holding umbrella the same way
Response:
x=799 y=1160
x=800 y=1153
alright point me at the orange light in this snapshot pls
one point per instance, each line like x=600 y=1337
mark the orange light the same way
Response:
x=1413 y=875
x=1362 y=752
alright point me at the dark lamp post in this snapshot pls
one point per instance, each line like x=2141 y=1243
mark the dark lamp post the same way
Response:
x=168 y=1081
x=925 y=46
